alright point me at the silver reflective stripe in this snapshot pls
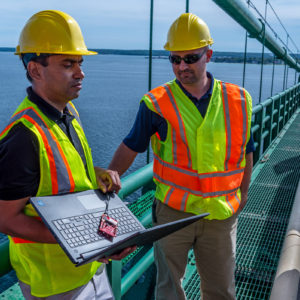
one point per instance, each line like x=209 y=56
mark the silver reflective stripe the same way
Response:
x=195 y=174
x=174 y=146
x=221 y=174
x=237 y=198
x=183 y=201
x=243 y=103
x=181 y=127
x=227 y=124
x=197 y=193
x=228 y=202
x=74 y=113
x=155 y=103
x=63 y=181
x=171 y=190
x=166 y=164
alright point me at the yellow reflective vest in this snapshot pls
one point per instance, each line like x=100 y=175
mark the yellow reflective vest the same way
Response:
x=45 y=267
x=200 y=166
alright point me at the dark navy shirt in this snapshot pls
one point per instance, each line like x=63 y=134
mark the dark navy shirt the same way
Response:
x=19 y=152
x=148 y=122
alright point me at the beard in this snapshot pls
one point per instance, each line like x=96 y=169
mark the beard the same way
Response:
x=187 y=76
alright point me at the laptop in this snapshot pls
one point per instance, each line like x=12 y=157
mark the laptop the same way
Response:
x=74 y=220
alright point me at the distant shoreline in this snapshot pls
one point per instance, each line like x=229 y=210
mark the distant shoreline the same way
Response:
x=218 y=56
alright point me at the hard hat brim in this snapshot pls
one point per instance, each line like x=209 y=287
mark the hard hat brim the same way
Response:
x=88 y=52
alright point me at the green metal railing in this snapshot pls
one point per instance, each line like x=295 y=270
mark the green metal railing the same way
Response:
x=270 y=116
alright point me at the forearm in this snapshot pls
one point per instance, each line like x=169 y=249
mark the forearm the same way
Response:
x=30 y=228
x=122 y=159
x=15 y=223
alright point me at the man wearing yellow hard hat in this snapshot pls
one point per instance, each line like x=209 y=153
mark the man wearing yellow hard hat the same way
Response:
x=44 y=151
x=202 y=148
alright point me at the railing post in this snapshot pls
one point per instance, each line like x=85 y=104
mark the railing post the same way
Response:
x=289 y=103
x=269 y=124
x=150 y=63
x=276 y=113
x=187 y=6
x=273 y=70
x=258 y=120
x=114 y=273
x=294 y=99
x=5 y=266
x=281 y=111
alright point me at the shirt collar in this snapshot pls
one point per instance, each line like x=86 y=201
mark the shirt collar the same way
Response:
x=207 y=95
x=50 y=111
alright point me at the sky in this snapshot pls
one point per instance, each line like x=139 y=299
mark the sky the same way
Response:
x=124 y=24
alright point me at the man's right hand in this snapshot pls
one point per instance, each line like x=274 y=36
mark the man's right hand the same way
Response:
x=118 y=256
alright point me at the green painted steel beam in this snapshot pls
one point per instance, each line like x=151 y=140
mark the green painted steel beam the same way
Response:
x=255 y=27
x=141 y=177
x=136 y=271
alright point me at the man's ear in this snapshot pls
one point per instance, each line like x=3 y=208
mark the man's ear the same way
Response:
x=209 y=53
x=34 y=70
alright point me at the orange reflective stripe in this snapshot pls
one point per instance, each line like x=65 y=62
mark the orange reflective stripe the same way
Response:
x=236 y=124
x=168 y=109
x=49 y=153
x=21 y=241
x=233 y=202
x=6 y=129
x=51 y=158
x=205 y=185
x=173 y=196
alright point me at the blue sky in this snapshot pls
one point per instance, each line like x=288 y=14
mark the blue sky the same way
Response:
x=124 y=24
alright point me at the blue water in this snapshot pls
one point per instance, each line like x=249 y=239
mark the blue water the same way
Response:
x=112 y=90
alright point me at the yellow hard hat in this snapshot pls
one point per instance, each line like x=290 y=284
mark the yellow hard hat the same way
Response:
x=53 y=32
x=188 y=32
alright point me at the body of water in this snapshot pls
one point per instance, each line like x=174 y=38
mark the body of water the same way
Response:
x=112 y=89
x=109 y=100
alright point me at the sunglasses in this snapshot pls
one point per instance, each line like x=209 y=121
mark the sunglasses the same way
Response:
x=188 y=59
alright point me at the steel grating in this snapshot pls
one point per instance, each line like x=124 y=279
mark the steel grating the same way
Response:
x=263 y=222
x=143 y=204
x=12 y=293
x=138 y=208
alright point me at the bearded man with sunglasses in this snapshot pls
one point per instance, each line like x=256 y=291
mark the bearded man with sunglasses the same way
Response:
x=202 y=148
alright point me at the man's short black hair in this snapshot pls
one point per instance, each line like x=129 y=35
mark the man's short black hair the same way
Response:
x=41 y=59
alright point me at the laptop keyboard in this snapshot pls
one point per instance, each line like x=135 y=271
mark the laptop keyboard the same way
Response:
x=83 y=229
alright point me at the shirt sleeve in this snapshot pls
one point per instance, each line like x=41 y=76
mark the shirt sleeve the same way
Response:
x=250 y=147
x=19 y=164
x=145 y=125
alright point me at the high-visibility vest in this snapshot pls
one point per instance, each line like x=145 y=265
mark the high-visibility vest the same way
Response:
x=200 y=166
x=45 y=267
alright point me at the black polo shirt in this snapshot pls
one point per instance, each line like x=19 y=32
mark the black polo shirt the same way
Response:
x=19 y=152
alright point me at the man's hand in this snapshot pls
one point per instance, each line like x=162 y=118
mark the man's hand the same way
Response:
x=118 y=256
x=107 y=180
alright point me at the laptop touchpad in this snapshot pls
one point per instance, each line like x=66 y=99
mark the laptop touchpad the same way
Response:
x=91 y=201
